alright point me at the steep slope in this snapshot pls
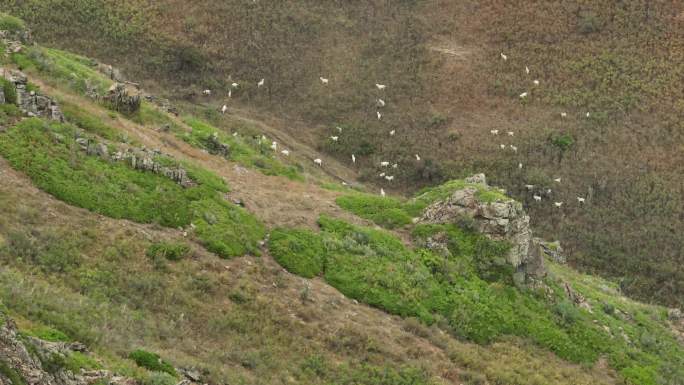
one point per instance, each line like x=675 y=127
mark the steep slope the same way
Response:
x=150 y=265
x=447 y=88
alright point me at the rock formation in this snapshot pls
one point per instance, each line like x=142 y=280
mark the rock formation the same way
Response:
x=22 y=361
x=501 y=220
x=138 y=158
x=123 y=97
x=31 y=103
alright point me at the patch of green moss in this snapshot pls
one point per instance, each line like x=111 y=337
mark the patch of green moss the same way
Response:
x=46 y=333
x=119 y=191
x=299 y=251
x=151 y=361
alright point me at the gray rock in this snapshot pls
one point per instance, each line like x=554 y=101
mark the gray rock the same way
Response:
x=191 y=374
x=477 y=178
x=674 y=314
x=499 y=220
x=27 y=360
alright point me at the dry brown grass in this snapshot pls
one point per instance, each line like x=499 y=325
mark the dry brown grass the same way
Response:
x=240 y=319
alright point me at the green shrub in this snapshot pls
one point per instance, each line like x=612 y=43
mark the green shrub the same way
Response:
x=75 y=361
x=9 y=91
x=563 y=142
x=151 y=362
x=567 y=312
x=168 y=250
x=226 y=229
x=300 y=251
x=11 y=23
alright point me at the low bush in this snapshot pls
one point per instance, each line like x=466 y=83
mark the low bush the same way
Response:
x=75 y=361
x=151 y=361
x=11 y=23
x=160 y=378
x=9 y=91
x=168 y=250
x=385 y=211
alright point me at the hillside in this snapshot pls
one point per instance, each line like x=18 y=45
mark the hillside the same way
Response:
x=158 y=244
x=447 y=89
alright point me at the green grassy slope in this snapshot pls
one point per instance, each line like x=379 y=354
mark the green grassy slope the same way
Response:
x=619 y=62
x=145 y=296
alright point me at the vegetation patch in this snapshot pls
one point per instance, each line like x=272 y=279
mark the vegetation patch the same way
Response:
x=151 y=361
x=75 y=361
x=46 y=333
x=171 y=251
x=468 y=291
x=87 y=122
x=76 y=72
x=10 y=23
x=59 y=167
x=251 y=153
x=387 y=212
x=9 y=113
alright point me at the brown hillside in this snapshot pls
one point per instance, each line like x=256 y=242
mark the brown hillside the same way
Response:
x=447 y=88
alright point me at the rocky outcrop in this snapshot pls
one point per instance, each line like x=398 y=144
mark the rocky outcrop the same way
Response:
x=138 y=158
x=123 y=97
x=501 y=220
x=30 y=102
x=35 y=362
x=552 y=250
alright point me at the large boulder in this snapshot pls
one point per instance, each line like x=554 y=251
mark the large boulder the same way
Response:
x=500 y=220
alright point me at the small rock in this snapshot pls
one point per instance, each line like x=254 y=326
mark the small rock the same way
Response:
x=674 y=314
x=477 y=179
x=191 y=374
